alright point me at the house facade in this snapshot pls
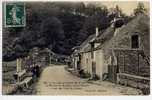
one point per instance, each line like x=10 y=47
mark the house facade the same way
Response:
x=119 y=53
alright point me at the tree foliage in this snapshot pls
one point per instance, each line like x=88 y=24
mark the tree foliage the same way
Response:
x=58 y=26
x=140 y=9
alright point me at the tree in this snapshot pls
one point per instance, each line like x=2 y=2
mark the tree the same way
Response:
x=52 y=31
x=56 y=25
x=140 y=9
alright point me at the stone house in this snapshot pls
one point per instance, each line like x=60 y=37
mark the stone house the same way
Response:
x=92 y=58
x=121 y=52
x=75 y=62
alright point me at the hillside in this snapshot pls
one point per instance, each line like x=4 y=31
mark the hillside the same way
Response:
x=56 y=25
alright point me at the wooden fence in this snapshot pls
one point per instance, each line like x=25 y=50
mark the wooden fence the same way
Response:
x=131 y=62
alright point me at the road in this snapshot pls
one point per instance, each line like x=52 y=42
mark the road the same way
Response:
x=55 y=80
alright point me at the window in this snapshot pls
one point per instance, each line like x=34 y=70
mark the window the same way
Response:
x=135 y=41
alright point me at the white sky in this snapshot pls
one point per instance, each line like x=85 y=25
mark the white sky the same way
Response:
x=126 y=6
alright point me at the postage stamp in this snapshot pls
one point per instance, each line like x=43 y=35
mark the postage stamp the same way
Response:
x=14 y=15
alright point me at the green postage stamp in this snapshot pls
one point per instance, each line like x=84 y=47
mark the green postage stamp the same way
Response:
x=14 y=15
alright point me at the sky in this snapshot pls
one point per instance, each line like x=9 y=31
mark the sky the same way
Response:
x=127 y=7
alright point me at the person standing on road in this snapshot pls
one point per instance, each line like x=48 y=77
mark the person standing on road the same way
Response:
x=37 y=71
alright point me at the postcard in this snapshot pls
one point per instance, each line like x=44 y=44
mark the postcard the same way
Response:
x=76 y=48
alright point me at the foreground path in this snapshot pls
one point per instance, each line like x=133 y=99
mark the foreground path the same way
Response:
x=55 y=80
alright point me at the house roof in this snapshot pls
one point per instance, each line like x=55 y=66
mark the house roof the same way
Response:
x=107 y=34
x=104 y=35
x=87 y=40
x=85 y=46
x=110 y=36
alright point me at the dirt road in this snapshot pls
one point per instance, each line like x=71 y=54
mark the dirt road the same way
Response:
x=55 y=80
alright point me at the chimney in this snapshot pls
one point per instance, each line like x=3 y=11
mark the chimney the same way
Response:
x=113 y=23
x=117 y=22
x=97 y=31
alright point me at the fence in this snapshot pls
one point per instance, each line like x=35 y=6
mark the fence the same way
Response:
x=132 y=62
x=129 y=62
